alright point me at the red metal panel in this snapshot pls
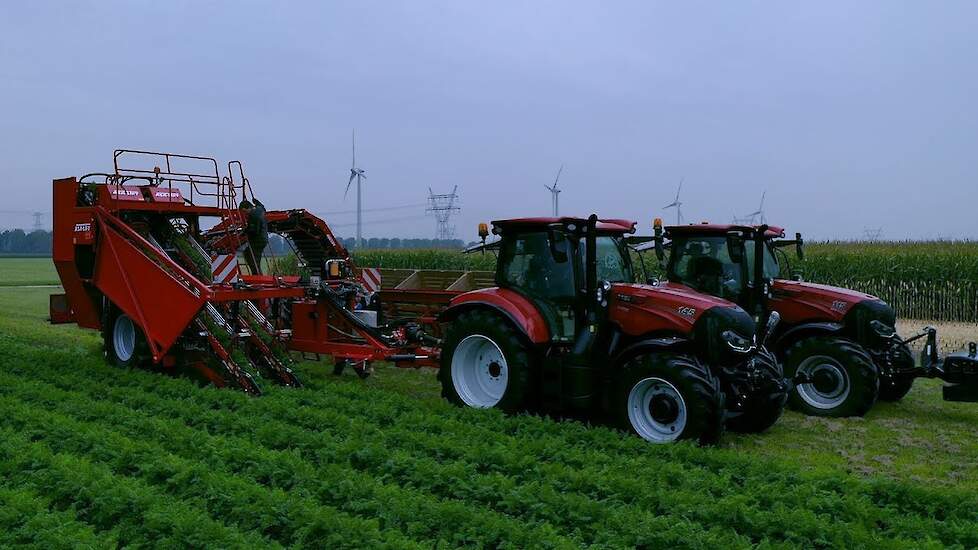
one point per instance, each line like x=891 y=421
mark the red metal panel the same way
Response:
x=515 y=306
x=60 y=309
x=798 y=302
x=156 y=300
x=65 y=196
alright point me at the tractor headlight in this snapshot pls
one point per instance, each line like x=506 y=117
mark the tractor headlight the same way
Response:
x=736 y=342
x=882 y=329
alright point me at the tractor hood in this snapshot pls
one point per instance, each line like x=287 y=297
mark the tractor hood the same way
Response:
x=641 y=309
x=799 y=301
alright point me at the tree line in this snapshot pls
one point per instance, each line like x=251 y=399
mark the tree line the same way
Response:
x=17 y=241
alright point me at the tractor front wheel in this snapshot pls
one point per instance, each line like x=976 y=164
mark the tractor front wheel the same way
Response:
x=665 y=397
x=124 y=343
x=485 y=363
x=844 y=379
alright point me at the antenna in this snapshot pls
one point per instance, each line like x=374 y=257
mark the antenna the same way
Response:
x=38 y=216
x=359 y=175
x=442 y=207
x=555 y=198
x=677 y=204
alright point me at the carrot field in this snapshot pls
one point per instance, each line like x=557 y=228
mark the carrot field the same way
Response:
x=98 y=457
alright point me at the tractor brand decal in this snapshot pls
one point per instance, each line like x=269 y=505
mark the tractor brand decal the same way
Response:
x=225 y=268
x=688 y=312
x=167 y=195
x=840 y=306
x=370 y=276
x=125 y=193
x=83 y=227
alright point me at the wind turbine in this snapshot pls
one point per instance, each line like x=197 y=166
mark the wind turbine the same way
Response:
x=677 y=204
x=555 y=192
x=359 y=175
x=758 y=215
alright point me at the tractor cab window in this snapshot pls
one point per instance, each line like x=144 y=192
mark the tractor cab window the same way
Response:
x=526 y=263
x=613 y=262
x=704 y=264
x=771 y=268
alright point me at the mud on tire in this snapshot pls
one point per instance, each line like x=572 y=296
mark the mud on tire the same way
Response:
x=846 y=379
x=650 y=387
x=486 y=363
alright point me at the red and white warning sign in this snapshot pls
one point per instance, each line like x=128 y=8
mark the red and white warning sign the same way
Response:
x=370 y=276
x=225 y=268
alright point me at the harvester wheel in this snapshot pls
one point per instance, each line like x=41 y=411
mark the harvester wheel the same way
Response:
x=893 y=387
x=664 y=397
x=845 y=381
x=124 y=343
x=485 y=363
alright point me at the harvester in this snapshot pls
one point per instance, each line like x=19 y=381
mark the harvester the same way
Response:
x=148 y=255
x=839 y=346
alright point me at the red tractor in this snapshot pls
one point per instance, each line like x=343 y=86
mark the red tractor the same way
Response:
x=566 y=329
x=839 y=345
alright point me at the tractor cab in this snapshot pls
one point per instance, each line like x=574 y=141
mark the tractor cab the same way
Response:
x=721 y=260
x=545 y=260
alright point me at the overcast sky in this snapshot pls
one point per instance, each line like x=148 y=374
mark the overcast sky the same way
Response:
x=850 y=114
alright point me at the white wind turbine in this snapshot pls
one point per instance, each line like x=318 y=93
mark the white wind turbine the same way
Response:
x=555 y=192
x=757 y=216
x=677 y=204
x=359 y=175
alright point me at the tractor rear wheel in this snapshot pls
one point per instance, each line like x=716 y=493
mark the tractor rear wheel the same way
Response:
x=485 y=363
x=894 y=386
x=664 y=397
x=123 y=341
x=845 y=381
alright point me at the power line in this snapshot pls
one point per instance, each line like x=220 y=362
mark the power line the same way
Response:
x=379 y=222
x=383 y=209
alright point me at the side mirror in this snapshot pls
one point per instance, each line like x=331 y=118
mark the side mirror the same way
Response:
x=558 y=245
x=735 y=247
x=799 y=246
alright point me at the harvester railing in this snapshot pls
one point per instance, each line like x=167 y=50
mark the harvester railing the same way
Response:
x=166 y=171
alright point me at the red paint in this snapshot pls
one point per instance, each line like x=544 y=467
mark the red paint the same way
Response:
x=520 y=309
x=666 y=308
x=604 y=226
x=718 y=229
x=65 y=193
x=798 y=302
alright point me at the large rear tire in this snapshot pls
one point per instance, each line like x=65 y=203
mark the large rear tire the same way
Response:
x=846 y=381
x=664 y=397
x=893 y=386
x=486 y=363
x=123 y=341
